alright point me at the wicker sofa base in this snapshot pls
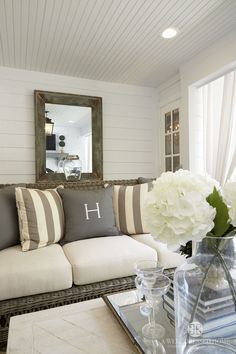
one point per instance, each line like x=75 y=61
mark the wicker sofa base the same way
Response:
x=18 y=306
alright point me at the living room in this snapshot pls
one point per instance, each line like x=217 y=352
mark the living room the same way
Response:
x=150 y=97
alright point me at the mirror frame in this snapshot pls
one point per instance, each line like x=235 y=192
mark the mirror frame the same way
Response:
x=43 y=97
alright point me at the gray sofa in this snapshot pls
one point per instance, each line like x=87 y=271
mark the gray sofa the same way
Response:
x=62 y=274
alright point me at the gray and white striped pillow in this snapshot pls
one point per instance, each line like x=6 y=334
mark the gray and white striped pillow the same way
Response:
x=41 y=217
x=128 y=202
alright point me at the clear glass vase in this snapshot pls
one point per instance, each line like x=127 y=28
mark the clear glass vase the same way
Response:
x=205 y=298
x=72 y=167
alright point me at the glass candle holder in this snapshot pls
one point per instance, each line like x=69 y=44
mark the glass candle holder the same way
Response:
x=152 y=329
x=72 y=168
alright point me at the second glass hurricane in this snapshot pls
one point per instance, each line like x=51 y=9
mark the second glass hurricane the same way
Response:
x=153 y=295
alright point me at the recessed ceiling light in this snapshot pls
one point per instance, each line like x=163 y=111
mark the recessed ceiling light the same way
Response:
x=71 y=121
x=169 y=32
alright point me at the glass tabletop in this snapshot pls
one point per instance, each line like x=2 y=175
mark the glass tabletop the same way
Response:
x=126 y=307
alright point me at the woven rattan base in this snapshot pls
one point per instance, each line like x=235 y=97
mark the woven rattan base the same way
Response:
x=13 y=307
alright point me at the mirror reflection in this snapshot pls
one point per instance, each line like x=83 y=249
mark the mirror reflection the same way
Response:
x=68 y=136
x=68 y=139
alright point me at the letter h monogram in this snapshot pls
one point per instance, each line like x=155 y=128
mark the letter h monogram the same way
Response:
x=87 y=211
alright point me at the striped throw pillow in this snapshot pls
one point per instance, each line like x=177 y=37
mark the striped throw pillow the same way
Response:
x=128 y=202
x=41 y=217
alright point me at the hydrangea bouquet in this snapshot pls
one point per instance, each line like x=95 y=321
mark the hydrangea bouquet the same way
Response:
x=182 y=206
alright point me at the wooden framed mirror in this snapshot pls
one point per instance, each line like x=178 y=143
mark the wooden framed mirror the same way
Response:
x=77 y=130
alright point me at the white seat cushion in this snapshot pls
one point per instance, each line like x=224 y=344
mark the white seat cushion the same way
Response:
x=166 y=257
x=34 y=272
x=104 y=258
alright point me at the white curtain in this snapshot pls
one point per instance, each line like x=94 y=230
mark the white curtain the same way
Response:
x=219 y=127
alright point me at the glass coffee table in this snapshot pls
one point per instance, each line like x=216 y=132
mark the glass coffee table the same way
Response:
x=126 y=308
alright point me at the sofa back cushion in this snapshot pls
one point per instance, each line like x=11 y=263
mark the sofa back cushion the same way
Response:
x=41 y=217
x=88 y=214
x=128 y=204
x=145 y=180
x=9 y=227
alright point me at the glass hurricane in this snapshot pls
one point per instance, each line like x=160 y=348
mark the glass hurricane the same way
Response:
x=153 y=330
x=146 y=271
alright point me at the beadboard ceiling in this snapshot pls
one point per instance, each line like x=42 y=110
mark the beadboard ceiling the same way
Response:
x=110 y=40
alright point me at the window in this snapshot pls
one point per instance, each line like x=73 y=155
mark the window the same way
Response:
x=172 y=151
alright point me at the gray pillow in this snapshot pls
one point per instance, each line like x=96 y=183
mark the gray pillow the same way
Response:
x=88 y=214
x=145 y=180
x=9 y=226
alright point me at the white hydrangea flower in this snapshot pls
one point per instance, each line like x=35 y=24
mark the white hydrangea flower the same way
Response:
x=229 y=195
x=209 y=183
x=176 y=210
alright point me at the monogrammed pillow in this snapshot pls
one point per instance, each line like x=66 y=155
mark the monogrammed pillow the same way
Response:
x=88 y=214
x=41 y=217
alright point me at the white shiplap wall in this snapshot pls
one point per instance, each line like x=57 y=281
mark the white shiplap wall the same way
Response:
x=129 y=124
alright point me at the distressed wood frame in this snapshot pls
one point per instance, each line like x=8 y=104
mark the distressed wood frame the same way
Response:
x=42 y=97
